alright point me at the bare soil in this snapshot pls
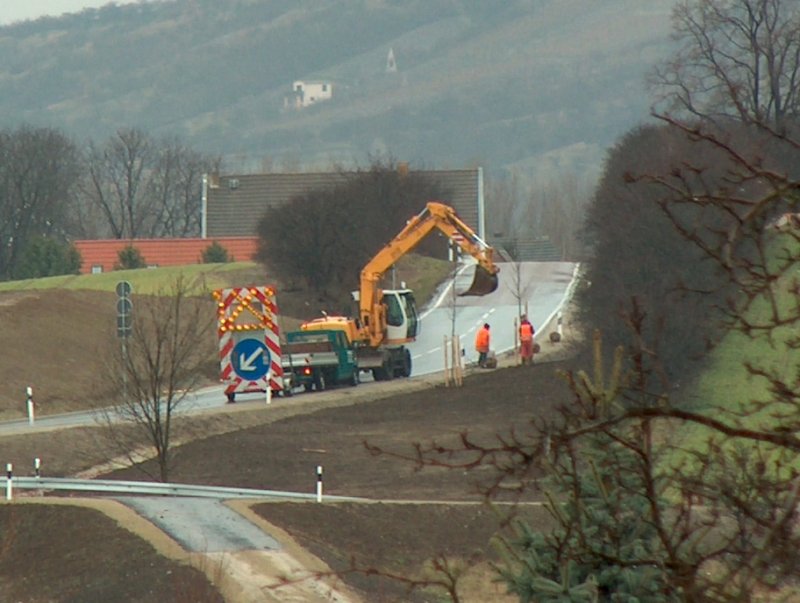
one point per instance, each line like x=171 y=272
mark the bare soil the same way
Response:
x=423 y=512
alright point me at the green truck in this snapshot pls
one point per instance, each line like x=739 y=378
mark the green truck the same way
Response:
x=319 y=359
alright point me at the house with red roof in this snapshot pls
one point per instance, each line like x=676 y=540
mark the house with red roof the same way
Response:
x=232 y=204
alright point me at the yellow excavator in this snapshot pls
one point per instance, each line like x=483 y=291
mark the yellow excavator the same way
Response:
x=388 y=318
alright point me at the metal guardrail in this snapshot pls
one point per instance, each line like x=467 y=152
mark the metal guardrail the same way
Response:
x=158 y=488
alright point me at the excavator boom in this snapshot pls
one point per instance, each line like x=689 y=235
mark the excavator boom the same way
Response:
x=436 y=215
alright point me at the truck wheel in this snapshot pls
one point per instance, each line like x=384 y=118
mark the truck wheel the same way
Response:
x=380 y=373
x=406 y=370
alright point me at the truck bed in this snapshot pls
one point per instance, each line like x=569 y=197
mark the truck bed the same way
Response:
x=289 y=361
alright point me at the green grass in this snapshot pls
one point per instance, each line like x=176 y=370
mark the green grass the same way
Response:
x=202 y=278
x=726 y=387
x=423 y=275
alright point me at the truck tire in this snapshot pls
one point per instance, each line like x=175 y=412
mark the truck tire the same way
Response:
x=406 y=369
x=385 y=372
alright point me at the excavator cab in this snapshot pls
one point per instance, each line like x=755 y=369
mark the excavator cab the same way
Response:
x=402 y=318
x=483 y=283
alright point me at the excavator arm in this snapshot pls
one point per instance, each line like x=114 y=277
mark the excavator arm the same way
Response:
x=435 y=216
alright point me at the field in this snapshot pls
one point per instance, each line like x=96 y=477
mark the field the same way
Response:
x=252 y=446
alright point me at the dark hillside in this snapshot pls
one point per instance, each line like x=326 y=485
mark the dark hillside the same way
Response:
x=544 y=85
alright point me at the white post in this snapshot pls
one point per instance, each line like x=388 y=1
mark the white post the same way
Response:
x=560 y=328
x=204 y=207
x=37 y=466
x=319 y=483
x=9 y=476
x=268 y=378
x=29 y=391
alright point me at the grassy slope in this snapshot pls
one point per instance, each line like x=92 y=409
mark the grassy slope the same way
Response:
x=726 y=387
x=203 y=277
x=423 y=274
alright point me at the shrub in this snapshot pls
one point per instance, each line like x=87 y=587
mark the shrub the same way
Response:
x=44 y=256
x=130 y=258
x=216 y=254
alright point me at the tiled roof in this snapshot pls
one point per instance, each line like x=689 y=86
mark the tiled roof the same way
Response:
x=235 y=203
x=161 y=252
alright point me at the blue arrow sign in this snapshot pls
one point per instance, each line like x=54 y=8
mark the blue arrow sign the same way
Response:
x=250 y=359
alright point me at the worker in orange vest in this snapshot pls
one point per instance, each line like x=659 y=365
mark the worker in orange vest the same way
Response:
x=482 y=344
x=526 y=332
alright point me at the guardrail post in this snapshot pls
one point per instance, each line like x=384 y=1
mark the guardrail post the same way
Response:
x=37 y=465
x=9 y=481
x=319 y=483
x=29 y=404
x=560 y=327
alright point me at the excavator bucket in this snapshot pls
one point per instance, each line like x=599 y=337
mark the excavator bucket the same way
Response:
x=483 y=283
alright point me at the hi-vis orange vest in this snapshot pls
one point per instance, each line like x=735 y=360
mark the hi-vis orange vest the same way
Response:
x=482 y=340
x=526 y=331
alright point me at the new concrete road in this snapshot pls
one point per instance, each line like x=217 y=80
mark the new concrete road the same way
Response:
x=201 y=525
x=542 y=287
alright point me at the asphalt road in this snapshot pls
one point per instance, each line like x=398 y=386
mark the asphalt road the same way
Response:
x=541 y=287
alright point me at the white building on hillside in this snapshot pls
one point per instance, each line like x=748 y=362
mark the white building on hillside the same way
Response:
x=308 y=93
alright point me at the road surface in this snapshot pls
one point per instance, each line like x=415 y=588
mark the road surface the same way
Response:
x=542 y=287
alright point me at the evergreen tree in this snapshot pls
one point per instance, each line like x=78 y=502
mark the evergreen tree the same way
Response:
x=44 y=256
x=130 y=258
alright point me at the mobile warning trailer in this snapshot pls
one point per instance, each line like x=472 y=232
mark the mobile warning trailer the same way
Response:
x=249 y=341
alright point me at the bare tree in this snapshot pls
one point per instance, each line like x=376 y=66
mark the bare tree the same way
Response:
x=170 y=348
x=563 y=207
x=505 y=194
x=519 y=287
x=117 y=177
x=738 y=59
x=144 y=187
x=526 y=211
x=38 y=176
x=637 y=513
x=175 y=185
